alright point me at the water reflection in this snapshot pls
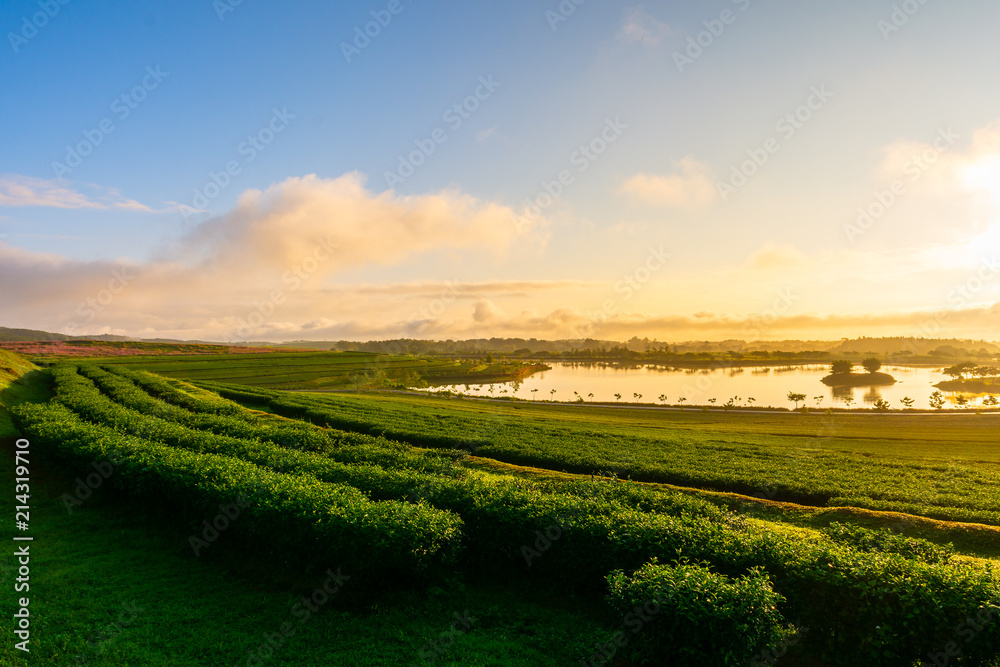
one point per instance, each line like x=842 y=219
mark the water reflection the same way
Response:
x=763 y=386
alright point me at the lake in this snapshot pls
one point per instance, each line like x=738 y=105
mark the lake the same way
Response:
x=768 y=385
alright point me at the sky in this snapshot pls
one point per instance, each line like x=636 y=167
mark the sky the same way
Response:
x=234 y=170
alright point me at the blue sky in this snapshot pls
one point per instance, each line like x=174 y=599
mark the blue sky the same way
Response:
x=884 y=81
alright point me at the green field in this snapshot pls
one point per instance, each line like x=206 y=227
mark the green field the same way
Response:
x=320 y=370
x=935 y=465
x=551 y=525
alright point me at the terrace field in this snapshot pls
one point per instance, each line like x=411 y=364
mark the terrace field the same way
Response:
x=840 y=539
x=284 y=369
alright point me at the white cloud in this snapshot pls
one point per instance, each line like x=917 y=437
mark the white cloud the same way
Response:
x=486 y=311
x=275 y=254
x=690 y=186
x=17 y=190
x=774 y=256
x=483 y=135
x=640 y=27
x=280 y=227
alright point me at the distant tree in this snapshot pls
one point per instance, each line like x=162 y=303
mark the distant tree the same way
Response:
x=990 y=400
x=637 y=396
x=618 y=397
x=552 y=393
x=750 y=400
x=882 y=405
x=533 y=392
x=819 y=400
x=662 y=398
x=681 y=401
x=961 y=399
x=841 y=366
x=590 y=395
x=907 y=402
x=937 y=400
x=871 y=364
x=712 y=401
x=796 y=398
x=959 y=370
x=849 y=401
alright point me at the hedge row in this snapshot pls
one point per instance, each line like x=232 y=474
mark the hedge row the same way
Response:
x=128 y=408
x=329 y=524
x=688 y=616
x=505 y=517
x=103 y=411
x=159 y=387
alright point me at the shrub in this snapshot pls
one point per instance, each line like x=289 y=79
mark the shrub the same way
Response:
x=296 y=514
x=884 y=540
x=695 y=617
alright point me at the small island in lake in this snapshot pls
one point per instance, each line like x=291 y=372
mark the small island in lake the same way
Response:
x=841 y=375
x=972 y=378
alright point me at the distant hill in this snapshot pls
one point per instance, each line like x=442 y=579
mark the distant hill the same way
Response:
x=934 y=347
x=9 y=335
x=925 y=349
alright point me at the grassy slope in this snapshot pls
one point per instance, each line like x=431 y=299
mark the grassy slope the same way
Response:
x=20 y=380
